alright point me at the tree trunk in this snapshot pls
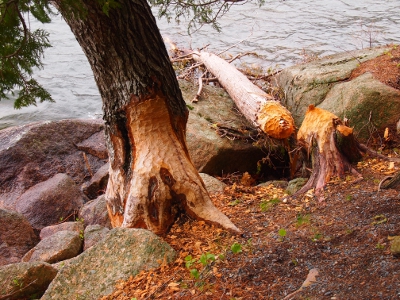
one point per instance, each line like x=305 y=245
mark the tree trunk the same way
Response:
x=256 y=105
x=152 y=178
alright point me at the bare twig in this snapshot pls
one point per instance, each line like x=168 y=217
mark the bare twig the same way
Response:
x=240 y=55
x=3 y=297
x=87 y=164
x=373 y=153
x=198 y=94
x=188 y=70
x=311 y=278
x=16 y=52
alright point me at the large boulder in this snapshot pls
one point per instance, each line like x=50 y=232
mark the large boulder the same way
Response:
x=328 y=83
x=95 y=212
x=97 y=184
x=51 y=201
x=362 y=98
x=93 y=234
x=122 y=253
x=16 y=237
x=213 y=185
x=25 y=280
x=60 y=246
x=70 y=226
x=33 y=153
x=211 y=153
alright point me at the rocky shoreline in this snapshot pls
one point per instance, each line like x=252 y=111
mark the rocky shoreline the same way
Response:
x=53 y=175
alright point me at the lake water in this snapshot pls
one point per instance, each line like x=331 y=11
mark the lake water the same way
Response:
x=283 y=33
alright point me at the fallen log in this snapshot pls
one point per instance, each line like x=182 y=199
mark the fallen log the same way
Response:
x=257 y=106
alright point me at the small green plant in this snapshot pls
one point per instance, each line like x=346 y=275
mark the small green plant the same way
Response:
x=17 y=282
x=302 y=220
x=349 y=197
x=282 y=233
x=379 y=219
x=349 y=231
x=206 y=258
x=189 y=261
x=81 y=220
x=294 y=262
x=267 y=205
x=316 y=237
x=249 y=245
x=236 y=248
x=189 y=107
x=380 y=246
x=81 y=234
x=234 y=202
x=195 y=273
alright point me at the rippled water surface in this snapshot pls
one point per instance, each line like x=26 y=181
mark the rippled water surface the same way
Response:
x=281 y=32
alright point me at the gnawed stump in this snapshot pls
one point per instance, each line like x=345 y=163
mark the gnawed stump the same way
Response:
x=332 y=145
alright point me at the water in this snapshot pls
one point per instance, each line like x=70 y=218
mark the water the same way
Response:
x=283 y=33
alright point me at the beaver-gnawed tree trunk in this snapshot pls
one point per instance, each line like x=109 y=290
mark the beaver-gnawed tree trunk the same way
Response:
x=332 y=145
x=152 y=178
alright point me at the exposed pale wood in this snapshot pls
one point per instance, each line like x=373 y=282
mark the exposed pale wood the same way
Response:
x=256 y=105
x=163 y=181
x=325 y=136
x=152 y=179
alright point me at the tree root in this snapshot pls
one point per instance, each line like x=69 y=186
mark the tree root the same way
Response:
x=392 y=182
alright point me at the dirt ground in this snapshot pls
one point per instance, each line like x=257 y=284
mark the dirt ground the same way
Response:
x=346 y=239
x=290 y=248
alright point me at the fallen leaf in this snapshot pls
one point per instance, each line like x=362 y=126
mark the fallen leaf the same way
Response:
x=173 y=284
x=311 y=278
x=386 y=134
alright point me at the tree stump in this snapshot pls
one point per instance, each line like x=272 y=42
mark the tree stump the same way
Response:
x=332 y=145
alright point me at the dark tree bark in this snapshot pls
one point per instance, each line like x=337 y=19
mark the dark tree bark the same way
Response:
x=152 y=178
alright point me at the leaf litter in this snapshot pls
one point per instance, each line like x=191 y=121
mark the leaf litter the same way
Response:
x=345 y=239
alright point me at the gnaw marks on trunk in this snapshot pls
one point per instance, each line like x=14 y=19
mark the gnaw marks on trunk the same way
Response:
x=332 y=145
x=160 y=180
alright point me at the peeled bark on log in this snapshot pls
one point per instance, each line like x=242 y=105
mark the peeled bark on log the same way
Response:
x=256 y=105
x=332 y=145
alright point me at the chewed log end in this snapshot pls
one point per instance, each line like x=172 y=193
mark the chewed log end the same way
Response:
x=276 y=121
